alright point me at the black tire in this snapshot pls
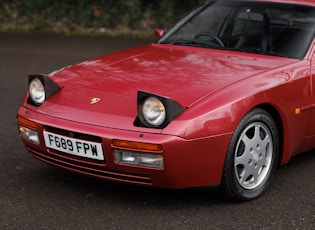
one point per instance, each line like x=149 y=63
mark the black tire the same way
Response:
x=251 y=157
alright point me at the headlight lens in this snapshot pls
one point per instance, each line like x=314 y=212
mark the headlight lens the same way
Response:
x=37 y=91
x=153 y=111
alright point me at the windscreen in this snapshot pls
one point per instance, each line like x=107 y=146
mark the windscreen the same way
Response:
x=259 y=27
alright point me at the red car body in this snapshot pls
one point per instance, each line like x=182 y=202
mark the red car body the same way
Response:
x=97 y=101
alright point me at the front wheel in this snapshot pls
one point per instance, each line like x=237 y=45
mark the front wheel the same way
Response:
x=251 y=157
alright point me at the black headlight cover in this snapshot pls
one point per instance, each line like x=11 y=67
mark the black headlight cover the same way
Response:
x=50 y=87
x=173 y=109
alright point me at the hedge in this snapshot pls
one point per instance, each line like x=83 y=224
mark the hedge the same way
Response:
x=71 y=16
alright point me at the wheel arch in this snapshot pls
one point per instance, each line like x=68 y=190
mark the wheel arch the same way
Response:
x=279 y=122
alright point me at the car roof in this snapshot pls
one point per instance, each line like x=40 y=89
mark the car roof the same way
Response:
x=300 y=2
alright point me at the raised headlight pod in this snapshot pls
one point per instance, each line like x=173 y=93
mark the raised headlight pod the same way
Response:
x=41 y=87
x=155 y=111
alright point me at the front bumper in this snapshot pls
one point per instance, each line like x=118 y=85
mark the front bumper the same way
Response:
x=187 y=163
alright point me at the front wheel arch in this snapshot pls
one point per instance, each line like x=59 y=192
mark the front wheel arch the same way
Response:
x=277 y=118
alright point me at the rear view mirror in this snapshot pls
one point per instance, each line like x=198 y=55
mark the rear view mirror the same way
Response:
x=251 y=16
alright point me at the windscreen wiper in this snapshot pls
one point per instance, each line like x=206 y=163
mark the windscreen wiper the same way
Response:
x=196 y=43
x=258 y=51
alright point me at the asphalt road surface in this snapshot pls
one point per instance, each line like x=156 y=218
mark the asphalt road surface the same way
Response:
x=34 y=195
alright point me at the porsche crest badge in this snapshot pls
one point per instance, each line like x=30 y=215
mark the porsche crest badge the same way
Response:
x=94 y=100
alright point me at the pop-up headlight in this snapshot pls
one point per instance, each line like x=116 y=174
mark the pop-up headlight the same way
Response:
x=155 y=111
x=40 y=88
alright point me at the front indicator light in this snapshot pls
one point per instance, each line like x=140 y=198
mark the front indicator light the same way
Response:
x=27 y=129
x=29 y=134
x=139 y=159
x=25 y=122
x=137 y=145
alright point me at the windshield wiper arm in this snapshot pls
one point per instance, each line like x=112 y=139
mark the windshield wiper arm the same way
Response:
x=272 y=53
x=259 y=51
x=186 y=42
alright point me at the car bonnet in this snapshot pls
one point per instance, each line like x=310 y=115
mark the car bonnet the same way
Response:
x=185 y=74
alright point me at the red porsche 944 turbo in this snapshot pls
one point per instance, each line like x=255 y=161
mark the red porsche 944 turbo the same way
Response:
x=221 y=98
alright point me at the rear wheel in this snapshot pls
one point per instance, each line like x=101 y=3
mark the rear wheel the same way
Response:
x=251 y=157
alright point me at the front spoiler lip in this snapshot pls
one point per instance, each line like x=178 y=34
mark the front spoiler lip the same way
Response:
x=97 y=171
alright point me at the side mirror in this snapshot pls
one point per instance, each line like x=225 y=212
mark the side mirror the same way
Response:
x=158 y=33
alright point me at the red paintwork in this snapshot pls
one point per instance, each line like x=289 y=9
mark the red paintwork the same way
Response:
x=144 y=68
x=217 y=88
x=301 y=2
x=158 y=33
